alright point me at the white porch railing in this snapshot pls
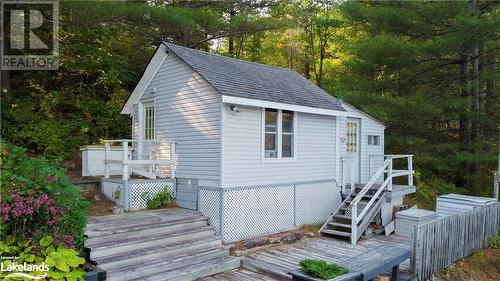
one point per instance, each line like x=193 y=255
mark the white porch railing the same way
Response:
x=385 y=169
x=147 y=158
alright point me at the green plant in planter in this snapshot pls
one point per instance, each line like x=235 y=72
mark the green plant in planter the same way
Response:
x=63 y=264
x=322 y=269
x=163 y=199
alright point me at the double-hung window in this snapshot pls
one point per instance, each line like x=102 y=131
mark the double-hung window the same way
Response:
x=279 y=134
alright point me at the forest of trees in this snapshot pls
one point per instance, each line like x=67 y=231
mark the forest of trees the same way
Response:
x=426 y=68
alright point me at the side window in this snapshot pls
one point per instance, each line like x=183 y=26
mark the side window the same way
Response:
x=373 y=140
x=279 y=134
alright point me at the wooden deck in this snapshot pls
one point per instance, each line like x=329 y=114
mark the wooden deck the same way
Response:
x=276 y=261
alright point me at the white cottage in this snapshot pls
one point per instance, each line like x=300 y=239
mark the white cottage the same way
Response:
x=257 y=148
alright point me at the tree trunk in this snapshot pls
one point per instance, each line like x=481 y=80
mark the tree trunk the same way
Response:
x=319 y=78
x=475 y=80
x=464 y=93
x=307 y=69
x=230 y=48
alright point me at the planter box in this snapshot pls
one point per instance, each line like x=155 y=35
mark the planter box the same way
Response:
x=95 y=275
x=298 y=275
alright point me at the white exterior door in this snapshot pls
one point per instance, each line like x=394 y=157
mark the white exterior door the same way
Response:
x=353 y=147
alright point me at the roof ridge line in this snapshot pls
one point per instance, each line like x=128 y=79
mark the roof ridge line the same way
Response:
x=230 y=58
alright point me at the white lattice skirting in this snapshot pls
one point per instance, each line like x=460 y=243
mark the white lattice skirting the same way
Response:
x=134 y=194
x=244 y=212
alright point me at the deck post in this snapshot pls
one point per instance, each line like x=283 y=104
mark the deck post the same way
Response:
x=354 y=222
x=410 y=169
x=125 y=173
x=107 y=148
x=389 y=174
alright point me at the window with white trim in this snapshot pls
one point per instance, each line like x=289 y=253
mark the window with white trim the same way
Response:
x=149 y=121
x=279 y=133
x=373 y=140
x=352 y=137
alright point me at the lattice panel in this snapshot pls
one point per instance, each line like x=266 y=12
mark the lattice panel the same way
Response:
x=257 y=211
x=141 y=191
x=209 y=206
x=114 y=191
x=316 y=201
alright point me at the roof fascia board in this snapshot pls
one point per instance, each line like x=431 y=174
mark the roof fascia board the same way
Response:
x=153 y=67
x=279 y=105
x=363 y=113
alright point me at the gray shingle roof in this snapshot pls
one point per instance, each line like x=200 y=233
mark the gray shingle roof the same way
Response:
x=238 y=78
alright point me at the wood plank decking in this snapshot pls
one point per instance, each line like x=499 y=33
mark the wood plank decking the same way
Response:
x=168 y=244
x=276 y=261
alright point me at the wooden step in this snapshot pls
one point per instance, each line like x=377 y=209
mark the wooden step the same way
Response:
x=157 y=253
x=137 y=245
x=198 y=270
x=120 y=225
x=342 y=216
x=155 y=267
x=337 y=224
x=336 y=232
x=139 y=232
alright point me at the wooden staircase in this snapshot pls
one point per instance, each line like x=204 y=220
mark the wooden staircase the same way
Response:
x=171 y=244
x=361 y=206
x=340 y=223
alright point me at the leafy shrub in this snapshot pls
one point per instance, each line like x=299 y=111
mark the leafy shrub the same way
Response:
x=494 y=242
x=163 y=199
x=37 y=200
x=322 y=269
x=63 y=264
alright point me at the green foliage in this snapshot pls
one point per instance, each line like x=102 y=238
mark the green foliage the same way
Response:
x=63 y=264
x=37 y=199
x=494 y=242
x=117 y=194
x=163 y=199
x=322 y=269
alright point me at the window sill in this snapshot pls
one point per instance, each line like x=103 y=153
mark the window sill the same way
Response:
x=278 y=160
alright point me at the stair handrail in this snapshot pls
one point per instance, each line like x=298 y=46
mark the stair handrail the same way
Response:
x=355 y=219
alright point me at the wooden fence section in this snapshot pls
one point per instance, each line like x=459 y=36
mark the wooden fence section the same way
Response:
x=443 y=241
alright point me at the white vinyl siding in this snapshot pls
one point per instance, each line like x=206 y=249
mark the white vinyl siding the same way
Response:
x=188 y=112
x=242 y=149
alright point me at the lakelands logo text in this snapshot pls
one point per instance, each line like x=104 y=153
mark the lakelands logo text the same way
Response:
x=30 y=35
x=24 y=270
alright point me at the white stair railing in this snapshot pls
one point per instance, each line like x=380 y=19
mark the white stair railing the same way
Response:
x=147 y=163
x=387 y=167
x=355 y=218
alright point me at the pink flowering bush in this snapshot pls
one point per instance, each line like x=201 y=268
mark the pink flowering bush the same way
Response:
x=38 y=200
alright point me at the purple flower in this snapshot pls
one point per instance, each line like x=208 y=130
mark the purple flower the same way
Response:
x=50 y=178
x=5 y=217
x=4 y=208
